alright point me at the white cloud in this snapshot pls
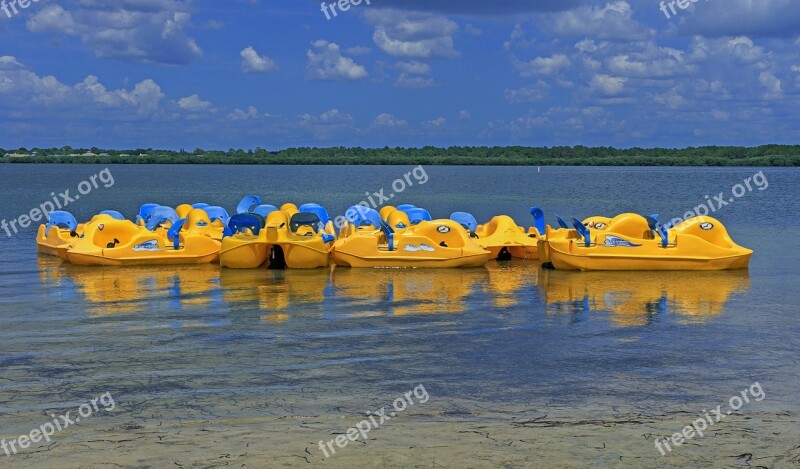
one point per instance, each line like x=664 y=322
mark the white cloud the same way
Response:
x=240 y=115
x=388 y=121
x=152 y=31
x=252 y=62
x=193 y=103
x=412 y=34
x=607 y=84
x=543 y=65
x=326 y=62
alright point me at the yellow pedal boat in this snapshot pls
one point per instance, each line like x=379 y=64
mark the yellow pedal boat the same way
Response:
x=502 y=237
x=112 y=242
x=301 y=240
x=399 y=243
x=634 y=242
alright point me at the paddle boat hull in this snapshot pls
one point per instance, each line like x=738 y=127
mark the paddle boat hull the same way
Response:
x=700 y=243
x=109 y=242
x=437 y=244
x=54 y=242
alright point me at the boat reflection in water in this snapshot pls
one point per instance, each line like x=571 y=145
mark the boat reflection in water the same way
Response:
x=191 y=295
x=402 y=292
x=109 y=291
x=274 y=292
x=638 y=298
x=509 y=280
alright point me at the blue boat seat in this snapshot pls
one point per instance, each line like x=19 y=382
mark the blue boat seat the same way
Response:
x=243 y=222
x=302 y=219
x=405 y=207
x=317 y=209
x=202 y=205
x=418 y=215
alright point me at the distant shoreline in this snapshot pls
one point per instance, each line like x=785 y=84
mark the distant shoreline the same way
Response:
x=767 y=155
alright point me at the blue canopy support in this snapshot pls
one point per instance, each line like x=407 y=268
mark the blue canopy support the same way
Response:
x=62 y=219
x=582 y=230
x=217 y=213
x=160 y=215
x=466 y=220
x=538 y=219
x=174 y=233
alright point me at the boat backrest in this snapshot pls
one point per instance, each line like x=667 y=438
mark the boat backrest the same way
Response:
x=62 y=219
x=200 y=205
x=161 y=214
x=467 y=220
x=305 y=223
x=404 y=207
x=183 y=210
x=248 y=203
x=197 y=218
x=631 y=225
x=244 y=222
x=218 y=213
x=289 y=208
x=417 y=215
x=385 y=211
x=398 y=221
x=318 y=210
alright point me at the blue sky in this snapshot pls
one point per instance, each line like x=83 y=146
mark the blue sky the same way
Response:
x=275 y=74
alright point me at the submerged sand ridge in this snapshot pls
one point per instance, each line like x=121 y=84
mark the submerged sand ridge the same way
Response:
x=462 y=434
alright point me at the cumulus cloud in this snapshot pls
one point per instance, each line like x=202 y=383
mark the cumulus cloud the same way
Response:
x=613 y=21
x=326 y=62
x=412 y=34
x=150 y=32
x=388 y=121
x=252 y=62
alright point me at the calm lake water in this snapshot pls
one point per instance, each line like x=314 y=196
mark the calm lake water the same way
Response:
x=263 y=354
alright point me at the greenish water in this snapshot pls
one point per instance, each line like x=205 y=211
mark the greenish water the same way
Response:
x=197 y=344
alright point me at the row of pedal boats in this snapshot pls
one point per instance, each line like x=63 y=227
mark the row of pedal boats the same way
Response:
x=306 y=237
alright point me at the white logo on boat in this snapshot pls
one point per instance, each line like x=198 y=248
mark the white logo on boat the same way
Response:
x=614 y=242
x=443 y=229
x=151 y=245
x=415 y=248
x=706 y=226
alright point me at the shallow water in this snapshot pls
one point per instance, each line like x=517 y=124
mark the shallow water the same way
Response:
x=253 y=368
